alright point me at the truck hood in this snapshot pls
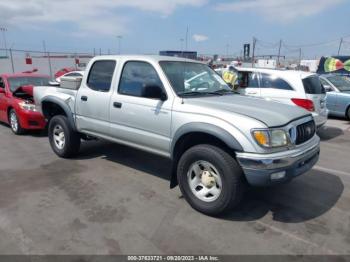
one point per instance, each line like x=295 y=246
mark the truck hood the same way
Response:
x=271 y=113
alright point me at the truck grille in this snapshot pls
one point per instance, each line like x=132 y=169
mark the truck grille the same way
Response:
x=305 y=132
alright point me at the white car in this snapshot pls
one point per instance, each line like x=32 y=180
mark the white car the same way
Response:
x=70 y=74
x=289 y=87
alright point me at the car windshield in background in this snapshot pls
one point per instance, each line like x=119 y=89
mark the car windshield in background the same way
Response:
x=16 y=82
x=312 y=85
x=194 y=79
x=340 y=82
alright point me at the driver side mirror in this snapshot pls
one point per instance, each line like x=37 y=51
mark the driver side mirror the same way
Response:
x=154 y=92
x=2 y=90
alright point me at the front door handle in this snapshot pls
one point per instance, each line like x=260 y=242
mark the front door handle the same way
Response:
x=117 y=105
x=84 y=98
x=252 y=93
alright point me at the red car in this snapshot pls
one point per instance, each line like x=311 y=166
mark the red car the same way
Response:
x=16 y=101
x=63 y=71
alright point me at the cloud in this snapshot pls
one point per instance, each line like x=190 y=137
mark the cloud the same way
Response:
x=200 y=38
x=107 y=17
x=279 y=10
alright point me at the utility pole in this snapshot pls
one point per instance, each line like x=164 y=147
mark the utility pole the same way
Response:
x=340 y=44
x=182 y=46
x=253 y=56
x=227 y=49
x=12 y=65
x=299 y=58
x=279 y=54
x=119 y=43
x=48 y=56
x=186 y=39
x=4 y=30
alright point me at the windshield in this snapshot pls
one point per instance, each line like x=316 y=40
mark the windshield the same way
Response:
x=189 y=79
x=16 y=82
x=340 y=82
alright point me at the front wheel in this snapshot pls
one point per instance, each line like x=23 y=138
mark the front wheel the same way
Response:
x=348 y=113
x=210 y=179
x=64 y=141
x=14 y=123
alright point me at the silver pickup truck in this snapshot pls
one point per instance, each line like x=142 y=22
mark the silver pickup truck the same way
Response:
x=218 y=141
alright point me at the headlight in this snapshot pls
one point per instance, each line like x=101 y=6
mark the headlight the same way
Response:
x=271 y=137
x=27 y=106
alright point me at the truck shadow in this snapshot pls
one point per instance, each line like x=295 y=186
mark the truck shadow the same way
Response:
x=327 y=133
x=145 y=162
x=307 y=197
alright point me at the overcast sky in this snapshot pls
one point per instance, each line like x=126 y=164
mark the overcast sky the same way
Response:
x=147 y=26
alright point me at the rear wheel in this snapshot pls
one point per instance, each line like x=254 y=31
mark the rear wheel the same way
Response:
x=348 y=113
x=210 y=179
x=64 y=141
x=14 y=123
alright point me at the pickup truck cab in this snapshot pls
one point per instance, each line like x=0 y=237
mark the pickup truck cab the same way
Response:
x=218 y=141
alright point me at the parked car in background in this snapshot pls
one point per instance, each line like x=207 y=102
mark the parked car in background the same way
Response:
x=63 y=71
x=338 y=94
x=70 y=74
x=16 y=101
x=181 y=109
x=290 y=87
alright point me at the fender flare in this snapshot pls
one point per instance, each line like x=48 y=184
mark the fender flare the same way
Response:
x=210 y=129
x=64 y=107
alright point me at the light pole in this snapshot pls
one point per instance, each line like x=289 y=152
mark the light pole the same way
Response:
x=227 y=49
x=119 y=37
x=4 y=30
x=182 y=46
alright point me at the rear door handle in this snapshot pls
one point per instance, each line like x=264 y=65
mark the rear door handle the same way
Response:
x=252 y=93
x=84 y=98
x=117 y=105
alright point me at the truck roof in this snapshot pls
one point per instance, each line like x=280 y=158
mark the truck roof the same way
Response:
x=155 y=58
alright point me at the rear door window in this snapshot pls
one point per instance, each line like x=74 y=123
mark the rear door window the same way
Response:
x=101 y=74
x=271 y=81
x=312 y=85
x=248 y=79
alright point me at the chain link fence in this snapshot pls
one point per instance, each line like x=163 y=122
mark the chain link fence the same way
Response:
x=17 y=61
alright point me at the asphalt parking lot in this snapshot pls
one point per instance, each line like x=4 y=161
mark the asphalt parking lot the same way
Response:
x=116 y=200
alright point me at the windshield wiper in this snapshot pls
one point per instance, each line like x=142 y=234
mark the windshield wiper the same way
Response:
x=198 y=93
x=225 y=91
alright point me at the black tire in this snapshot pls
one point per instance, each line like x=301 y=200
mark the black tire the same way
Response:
x=71 y=144
x=348 y=113
x=232 y=179
x=16 y=128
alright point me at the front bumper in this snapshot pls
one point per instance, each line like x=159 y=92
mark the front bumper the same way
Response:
x=259 y=169
x=31 y=120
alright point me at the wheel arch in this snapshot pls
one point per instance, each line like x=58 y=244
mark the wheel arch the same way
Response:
x=347 y=111
x=52 y=106
x=200 y=133
x=9 y=108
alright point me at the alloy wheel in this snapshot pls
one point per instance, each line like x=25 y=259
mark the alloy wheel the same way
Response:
x=204 y=181
x=59 y=137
